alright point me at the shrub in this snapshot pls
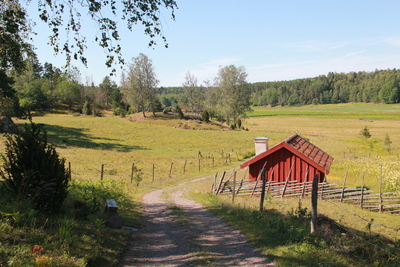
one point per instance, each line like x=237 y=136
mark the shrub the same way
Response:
x=387 y=142
x=239 y=124
x=33 y=170
x=179 y=111
x=86 y=108
x=205 y=116
x=365 y=132
x=119 y=111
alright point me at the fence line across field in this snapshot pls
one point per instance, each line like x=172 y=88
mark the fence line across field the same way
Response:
x=202 y=160
x=361 y=196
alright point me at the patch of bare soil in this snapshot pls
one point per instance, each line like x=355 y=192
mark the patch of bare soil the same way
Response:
x=201 y=240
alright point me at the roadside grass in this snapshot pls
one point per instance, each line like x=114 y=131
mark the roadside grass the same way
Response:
x=282 y=232
x=76 y=237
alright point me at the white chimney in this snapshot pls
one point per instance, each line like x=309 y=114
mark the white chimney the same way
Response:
x=261 y=144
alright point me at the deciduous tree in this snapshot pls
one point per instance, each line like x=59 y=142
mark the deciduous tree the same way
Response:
x=193 y=95
x=140 y=84
x=64 y=18
x=68 y=93
x=234 y=91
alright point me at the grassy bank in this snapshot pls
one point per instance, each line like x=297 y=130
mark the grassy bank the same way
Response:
x=346 y=235
x=75 y=237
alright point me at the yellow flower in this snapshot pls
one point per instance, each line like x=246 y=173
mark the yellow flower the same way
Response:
x=42 y=261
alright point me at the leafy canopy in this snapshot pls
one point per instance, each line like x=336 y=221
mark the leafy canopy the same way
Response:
x=64 y=18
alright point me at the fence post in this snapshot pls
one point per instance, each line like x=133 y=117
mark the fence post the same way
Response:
x=287 y=179
x=362 y=190
x=170 y=170
x=241 y=182
x=220 y=182
x=270 y=179
x=153 y=173
x=380 y=191
x=184 y=167
x=314 y=204
x=102 y=172
x=199 y=165
x=262 y=190
x=233 y=187
x=305 y=183
x=132 y=172
x=344 y=184
x=69 y=171
x=215 y=183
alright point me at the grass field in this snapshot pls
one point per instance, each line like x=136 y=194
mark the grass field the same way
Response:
x=336 y=130
x=172 y=146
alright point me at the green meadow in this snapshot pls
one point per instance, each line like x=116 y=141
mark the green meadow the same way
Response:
x=167 y=151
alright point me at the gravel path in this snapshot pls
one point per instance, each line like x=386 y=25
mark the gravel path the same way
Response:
x=192 y=238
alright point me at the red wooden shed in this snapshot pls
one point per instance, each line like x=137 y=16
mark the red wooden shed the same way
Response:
x=293 y=159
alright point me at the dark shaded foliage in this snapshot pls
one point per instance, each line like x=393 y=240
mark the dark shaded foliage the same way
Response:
x=32 y=169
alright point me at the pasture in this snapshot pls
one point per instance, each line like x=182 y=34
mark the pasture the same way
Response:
x=172 y=146
x=168 y=151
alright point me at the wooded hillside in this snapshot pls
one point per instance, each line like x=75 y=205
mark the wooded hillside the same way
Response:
x=378 y=86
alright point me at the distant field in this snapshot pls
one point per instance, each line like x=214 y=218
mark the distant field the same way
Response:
x=355 y=111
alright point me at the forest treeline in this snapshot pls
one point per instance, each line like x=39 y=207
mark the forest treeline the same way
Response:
x=379 y=86
x=45 y=87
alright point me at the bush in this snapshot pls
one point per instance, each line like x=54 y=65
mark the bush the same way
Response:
x=239 y=124
x=179 y=111
x=86 y=108
x=119 y=111
x=365 y=132
x=205 y=116
x=33 y=170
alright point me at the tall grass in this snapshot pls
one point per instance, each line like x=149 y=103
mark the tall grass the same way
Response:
x=76 y=237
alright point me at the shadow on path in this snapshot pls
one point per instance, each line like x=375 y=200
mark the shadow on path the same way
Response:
x=204 y=241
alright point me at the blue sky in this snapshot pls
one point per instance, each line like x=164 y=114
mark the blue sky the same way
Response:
x=273 y=40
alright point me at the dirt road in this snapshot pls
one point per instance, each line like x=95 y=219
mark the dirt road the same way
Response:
x=193 y=238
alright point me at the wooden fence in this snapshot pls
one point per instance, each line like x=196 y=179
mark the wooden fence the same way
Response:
x=364 y=198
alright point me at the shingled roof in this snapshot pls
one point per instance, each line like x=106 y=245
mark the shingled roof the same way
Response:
x=310 y=151
x=299 y=145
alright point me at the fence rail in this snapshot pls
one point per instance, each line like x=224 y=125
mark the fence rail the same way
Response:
x=361 y=196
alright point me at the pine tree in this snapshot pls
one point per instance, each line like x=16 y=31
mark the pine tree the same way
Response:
x=33 y=170
x=365 y=132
